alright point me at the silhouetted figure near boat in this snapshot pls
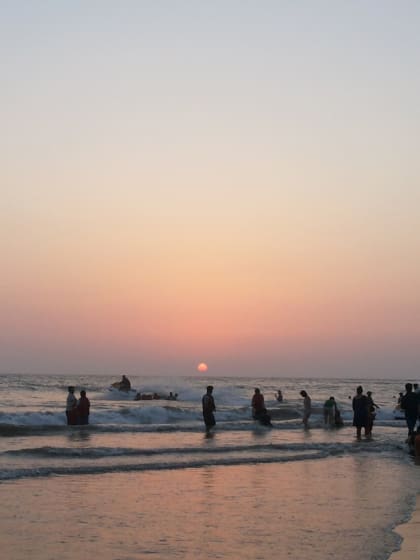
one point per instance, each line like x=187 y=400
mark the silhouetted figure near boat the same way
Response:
x=71 y=407
x=259 y=412
x=125 y=384
x=307 y=408
x=209 y=408
x=410 y=404
x=360 y=406
x=83 y=409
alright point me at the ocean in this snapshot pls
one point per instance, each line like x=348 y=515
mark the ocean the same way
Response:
x=144 y=480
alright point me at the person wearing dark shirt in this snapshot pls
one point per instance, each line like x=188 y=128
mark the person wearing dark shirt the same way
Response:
x=360 y=406
x=83 y=409
x=209 y=408
x=259 y=412
x=410 y=405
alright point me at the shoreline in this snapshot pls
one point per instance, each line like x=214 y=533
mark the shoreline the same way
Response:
x=409 y=531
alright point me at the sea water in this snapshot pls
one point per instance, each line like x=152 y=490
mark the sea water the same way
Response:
x=145 y=480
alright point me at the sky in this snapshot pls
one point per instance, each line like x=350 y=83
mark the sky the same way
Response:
x=229 y=182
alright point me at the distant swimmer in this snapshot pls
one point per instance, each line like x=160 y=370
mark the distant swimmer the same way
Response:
x=307 y=408
x=209 y=408
x=279 y=396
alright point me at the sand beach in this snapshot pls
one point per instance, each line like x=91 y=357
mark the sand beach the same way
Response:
x=313 y=508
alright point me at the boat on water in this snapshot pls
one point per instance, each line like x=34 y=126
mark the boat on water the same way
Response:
x=155 y=396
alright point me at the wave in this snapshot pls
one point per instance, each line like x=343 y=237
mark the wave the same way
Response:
x=193 y=425
x=177 y=458
x=165 y=412
x=102 y=452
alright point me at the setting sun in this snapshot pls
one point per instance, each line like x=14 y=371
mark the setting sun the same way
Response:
x=202 y=367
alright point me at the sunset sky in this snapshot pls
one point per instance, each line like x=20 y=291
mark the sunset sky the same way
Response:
x=229 y=182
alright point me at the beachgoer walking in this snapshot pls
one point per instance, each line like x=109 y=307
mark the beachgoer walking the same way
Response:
x=83 y=409
x=360 y=412
x=410 y=405
x=209 y=408
x=279 y=396
x=329 y=411
x=306 y=408
x=71 y=407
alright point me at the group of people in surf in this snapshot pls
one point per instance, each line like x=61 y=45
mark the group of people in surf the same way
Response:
x=332 y=415
x=77 y=410
x=364 y=409
x=364 y=412
x=331 y=412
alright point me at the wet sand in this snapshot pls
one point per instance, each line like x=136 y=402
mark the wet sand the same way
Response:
x=410 y=532
x=318 y=509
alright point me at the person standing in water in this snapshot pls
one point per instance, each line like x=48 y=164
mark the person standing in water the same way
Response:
x=71 y=407
x=329 y=411
x=209 y=408
x=360 y=405
x=410 y=405
x=306 y=408
x=259 y=412
x=83 y=408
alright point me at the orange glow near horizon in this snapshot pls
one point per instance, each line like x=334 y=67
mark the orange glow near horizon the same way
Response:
x=157 y=233
x=202 y=367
